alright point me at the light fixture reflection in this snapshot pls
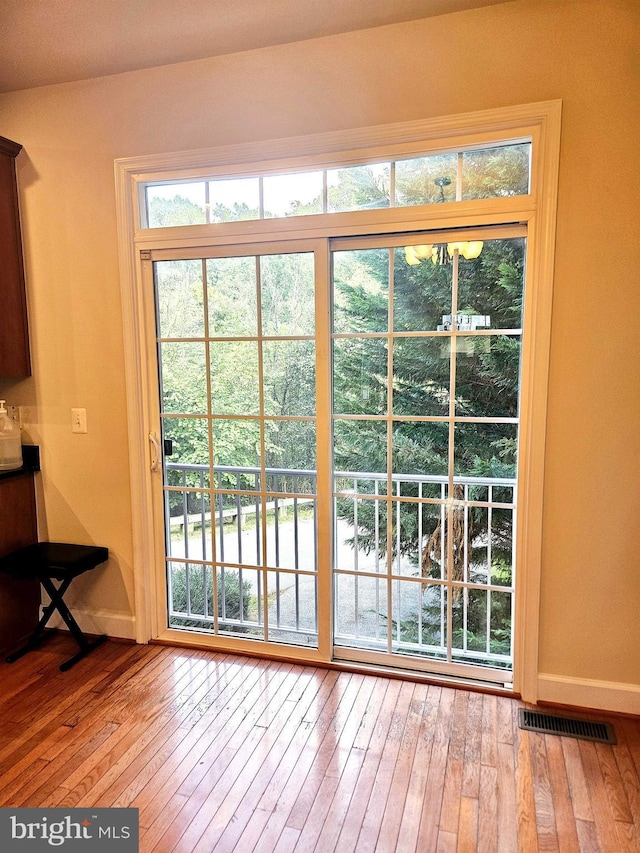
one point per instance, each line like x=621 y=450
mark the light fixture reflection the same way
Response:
x=439 y=253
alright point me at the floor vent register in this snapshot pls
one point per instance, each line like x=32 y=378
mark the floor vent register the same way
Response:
x=551 y=724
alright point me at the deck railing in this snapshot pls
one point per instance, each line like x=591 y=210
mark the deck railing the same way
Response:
x=292 y=553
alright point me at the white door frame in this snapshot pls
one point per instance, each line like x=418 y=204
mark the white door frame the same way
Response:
x=538 y=122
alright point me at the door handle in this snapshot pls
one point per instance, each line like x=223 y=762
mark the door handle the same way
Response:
x=155 y=451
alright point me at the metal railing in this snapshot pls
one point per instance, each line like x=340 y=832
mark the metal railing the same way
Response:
x=219 y=524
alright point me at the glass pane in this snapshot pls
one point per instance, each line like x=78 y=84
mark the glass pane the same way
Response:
x=469 y=619
x=358 y=187
x=190 y=437
x=501 y=494
x=239 y=596
x=492 y=285
x=502 y=552
x=177 y=579
x=292 y=194
x=421 y=290
x=189 y=524
x=421 y=374
x=176 y=204
x=361 y=535
x=487 y=376
x=291 y=533
x=238 y=530
x=236 y=449
x=234 y=199
x=183 y=377
x=425 y=180
x=415 y=530
x=422 y=609
x=500 y=632
x=501 y=171
x=485 y=450
x=474 y=492
x=360 y=376
x=290 y=452
x=420 y=448
x=287 y=290
x=467 y=530
x=235 y=383
x=289 y=373
x=360 y=446
x=477 y=551
x=190 y=595
x=361 y=291
x=406 y=614
x=204 y=580
x=433 y=544
x=291 y=542
x=344 y=605
x=232 y=297
x=179 y=299
x=361 y=609
x=200 y=590
x=292 y=604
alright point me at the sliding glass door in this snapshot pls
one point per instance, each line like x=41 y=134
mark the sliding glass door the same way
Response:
x=338 y=437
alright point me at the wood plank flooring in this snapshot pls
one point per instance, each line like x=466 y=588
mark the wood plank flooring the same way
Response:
x=227 y=753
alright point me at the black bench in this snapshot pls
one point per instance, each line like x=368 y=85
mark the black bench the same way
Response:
x=62 y=562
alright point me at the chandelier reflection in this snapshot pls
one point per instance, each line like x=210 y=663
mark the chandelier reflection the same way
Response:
x=442 y=253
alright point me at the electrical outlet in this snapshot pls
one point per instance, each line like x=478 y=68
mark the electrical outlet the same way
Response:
x=15 y=414
x=78 y=420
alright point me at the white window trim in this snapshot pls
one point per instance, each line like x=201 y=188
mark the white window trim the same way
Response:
x=538 y=122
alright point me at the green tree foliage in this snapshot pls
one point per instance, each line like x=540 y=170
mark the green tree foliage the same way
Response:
x=166 y=212
x=358 y=188
x=238 y=212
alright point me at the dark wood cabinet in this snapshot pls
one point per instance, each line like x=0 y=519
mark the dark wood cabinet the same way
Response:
x=19 y=599
x=14 y=331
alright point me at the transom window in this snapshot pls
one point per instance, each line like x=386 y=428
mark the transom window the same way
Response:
x=494 y=171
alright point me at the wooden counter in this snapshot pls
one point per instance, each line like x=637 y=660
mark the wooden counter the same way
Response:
x=19 y=600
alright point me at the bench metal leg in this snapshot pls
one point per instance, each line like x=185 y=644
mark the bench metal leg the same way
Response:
x=39 y=634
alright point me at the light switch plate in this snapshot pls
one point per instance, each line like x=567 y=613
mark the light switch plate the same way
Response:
x=79 y=420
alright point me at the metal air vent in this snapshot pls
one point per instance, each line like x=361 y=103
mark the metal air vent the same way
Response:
x=550 y=724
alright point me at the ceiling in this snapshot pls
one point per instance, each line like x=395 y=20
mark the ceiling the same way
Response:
x=58 y=41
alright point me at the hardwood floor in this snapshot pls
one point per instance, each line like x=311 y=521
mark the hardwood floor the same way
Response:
x=223 y=753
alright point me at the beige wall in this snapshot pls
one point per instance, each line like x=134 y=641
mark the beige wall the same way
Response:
x=581 y=51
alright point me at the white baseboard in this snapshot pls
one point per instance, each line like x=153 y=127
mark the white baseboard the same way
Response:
x=586 y=693
x=107 y=622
